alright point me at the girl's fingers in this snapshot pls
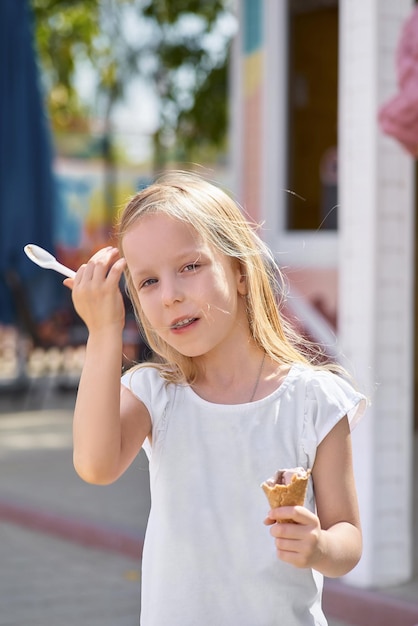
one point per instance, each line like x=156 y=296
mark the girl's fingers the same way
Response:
x=103 y=251
x=101 y=265
x=68 y=282
x=298 y=514
x=116 y=270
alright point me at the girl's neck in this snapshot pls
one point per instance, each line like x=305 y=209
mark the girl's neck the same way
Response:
x=239 y=380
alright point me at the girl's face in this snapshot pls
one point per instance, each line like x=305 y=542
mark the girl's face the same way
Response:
x=188 y=291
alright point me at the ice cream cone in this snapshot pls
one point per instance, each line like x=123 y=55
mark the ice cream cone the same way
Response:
x=292 y=494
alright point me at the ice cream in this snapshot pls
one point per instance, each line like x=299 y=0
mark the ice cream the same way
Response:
x=287 y=487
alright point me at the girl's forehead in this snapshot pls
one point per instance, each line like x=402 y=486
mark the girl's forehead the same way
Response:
x=161 y=221
x=164 y=231
x=156 y=238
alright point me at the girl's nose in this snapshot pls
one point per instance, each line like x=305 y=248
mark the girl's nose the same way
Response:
x=171 y=293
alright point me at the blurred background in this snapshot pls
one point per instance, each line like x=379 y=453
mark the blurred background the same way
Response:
x=305 y=112
x=96 y=99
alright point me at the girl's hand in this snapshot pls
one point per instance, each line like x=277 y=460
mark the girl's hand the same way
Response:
x=300 y=543
x=95 y=291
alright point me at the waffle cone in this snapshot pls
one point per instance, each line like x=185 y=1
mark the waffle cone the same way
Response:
x=287 y=495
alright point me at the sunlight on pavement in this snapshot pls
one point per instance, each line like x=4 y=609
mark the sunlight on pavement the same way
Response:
x=35 y=430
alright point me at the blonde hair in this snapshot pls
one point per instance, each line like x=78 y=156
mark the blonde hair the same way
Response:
x=219 y=220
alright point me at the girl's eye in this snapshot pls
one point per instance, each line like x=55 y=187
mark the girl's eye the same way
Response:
x=148 y=282
x=191 y=267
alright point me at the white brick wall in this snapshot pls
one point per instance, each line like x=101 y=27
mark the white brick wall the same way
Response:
x=376 y=283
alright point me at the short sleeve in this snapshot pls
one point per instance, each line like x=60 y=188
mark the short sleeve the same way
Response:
x=328 y=399
x=147 y=385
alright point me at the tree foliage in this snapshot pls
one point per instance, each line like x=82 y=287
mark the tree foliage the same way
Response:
x=66 y=31
x=179 y=47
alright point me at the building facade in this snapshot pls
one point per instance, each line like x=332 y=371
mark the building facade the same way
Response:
x=335 y=198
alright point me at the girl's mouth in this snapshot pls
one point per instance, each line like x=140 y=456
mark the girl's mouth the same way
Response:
x=183 y=323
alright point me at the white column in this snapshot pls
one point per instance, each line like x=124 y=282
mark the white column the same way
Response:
x=274 y=119
x=376 y=261
x=236 y=104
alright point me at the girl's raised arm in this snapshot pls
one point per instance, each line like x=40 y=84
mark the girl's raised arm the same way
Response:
x=110 y=424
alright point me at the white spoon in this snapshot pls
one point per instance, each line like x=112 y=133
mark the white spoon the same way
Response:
x=45 y=259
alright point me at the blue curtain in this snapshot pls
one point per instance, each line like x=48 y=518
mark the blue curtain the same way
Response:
x=27 y=188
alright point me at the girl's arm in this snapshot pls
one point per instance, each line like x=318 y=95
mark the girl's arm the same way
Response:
x=110 y=424
x=336 y=500
x=330 y=541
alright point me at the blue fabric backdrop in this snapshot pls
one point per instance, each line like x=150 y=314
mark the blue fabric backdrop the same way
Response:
x=27 y=188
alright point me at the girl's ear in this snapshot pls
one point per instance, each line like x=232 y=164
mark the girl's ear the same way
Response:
x=242 y=280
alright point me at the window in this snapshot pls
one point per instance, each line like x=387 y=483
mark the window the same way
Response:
x=312 y=108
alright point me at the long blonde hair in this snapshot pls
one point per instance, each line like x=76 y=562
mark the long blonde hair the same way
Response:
x=219 y=220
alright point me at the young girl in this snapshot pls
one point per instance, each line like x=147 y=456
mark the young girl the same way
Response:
x=230 y=401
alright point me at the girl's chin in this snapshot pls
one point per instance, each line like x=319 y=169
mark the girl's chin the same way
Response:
x=191 y=353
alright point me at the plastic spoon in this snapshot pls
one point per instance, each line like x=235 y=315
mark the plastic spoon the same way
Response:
x=45 y=259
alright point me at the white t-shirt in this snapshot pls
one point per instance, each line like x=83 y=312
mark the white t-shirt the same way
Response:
x=208 y=558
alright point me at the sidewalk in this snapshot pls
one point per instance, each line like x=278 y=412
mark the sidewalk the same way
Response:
x=70 y=552
x=50 y=582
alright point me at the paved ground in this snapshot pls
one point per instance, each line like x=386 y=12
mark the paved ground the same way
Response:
x=51 y=574
x=70 y=552
x=45 y=581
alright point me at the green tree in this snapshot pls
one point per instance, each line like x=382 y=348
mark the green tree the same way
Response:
x=182 y=52
x=190 y=76
x=66 y=31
